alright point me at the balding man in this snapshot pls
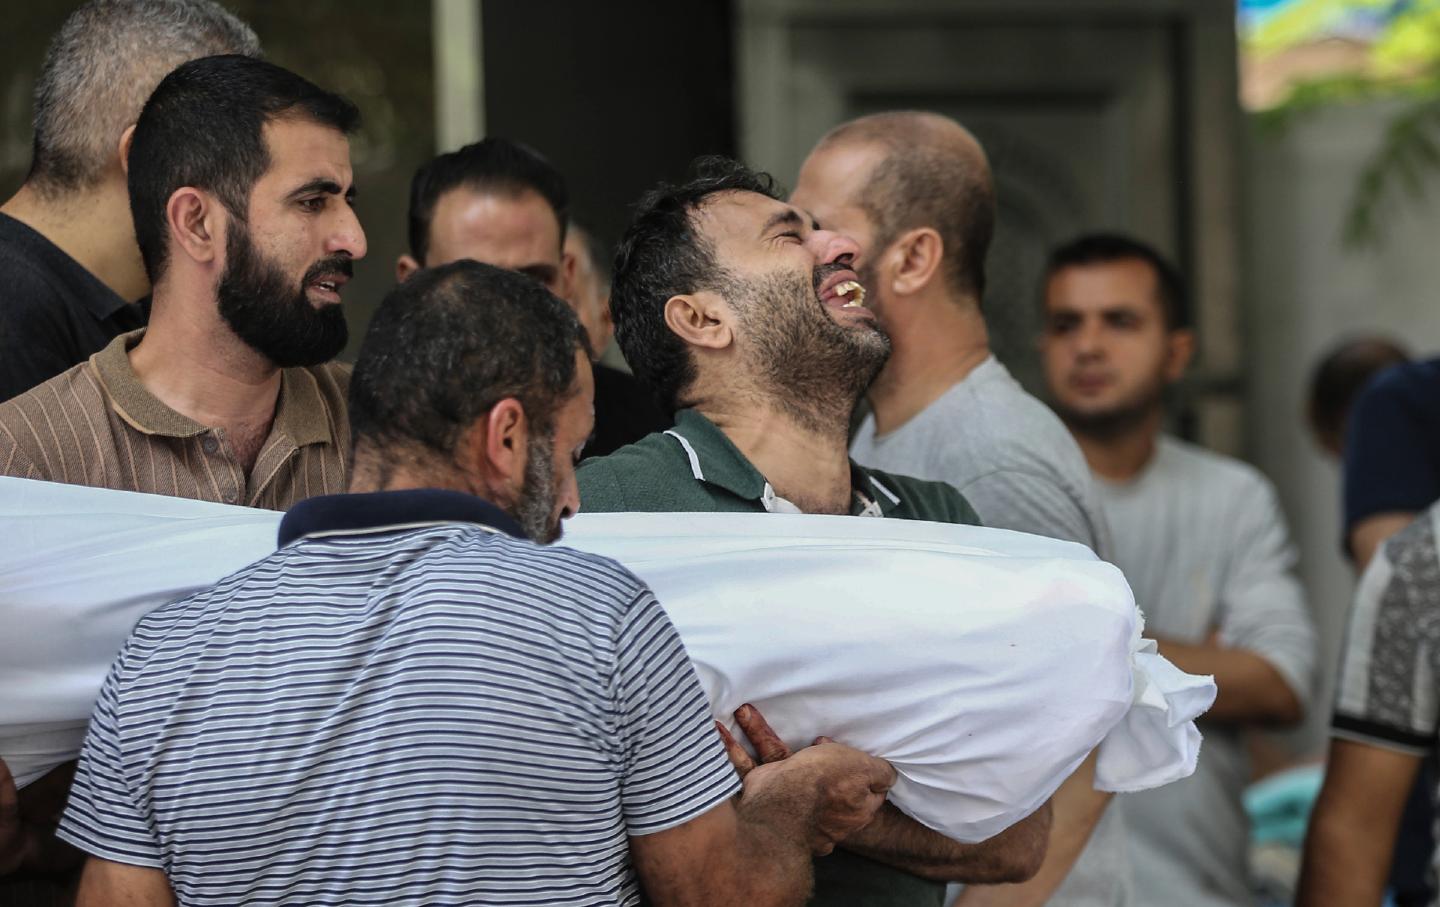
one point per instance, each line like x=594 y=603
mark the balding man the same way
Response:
x=914 y=189
x=69 y=264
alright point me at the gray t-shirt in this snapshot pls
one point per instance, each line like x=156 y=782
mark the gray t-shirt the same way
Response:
x=1203 y=543
x=1020 y=469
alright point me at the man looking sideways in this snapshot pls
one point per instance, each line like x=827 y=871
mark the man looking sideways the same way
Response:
x=70 y=268
x=742 y=315
x=241 y=191
x=414 y=701
x=1202 y=541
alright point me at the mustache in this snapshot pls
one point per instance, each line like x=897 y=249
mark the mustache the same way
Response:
x=335 y=264
x=823 y=273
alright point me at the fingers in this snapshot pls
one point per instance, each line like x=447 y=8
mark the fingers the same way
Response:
x=882 y=776
x=738 y=757
x=768 y=745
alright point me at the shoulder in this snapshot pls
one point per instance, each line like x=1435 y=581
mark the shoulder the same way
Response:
x=1205 y=469
x=920 y=499
x=28 y=416
x=645 y=475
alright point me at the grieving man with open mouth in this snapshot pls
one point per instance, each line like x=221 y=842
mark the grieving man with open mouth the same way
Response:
x=748 y=322
x=241 y=189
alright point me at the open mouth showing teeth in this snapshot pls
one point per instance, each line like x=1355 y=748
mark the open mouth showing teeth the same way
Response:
x=855 y=291
x=328 y=285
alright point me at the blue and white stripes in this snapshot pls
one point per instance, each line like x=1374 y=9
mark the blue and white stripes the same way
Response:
x=436 y=715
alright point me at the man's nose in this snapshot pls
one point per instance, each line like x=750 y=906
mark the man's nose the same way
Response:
x=348 y=236
x=834 y=248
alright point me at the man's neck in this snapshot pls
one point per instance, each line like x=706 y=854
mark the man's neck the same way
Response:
x=810 y=468
x=92 y=226
x=195 y=365
x=1121 y=455
x=933 y=349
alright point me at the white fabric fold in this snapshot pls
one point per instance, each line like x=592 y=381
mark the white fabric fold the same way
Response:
x=984 y=664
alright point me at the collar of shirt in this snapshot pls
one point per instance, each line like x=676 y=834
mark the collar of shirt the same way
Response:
x=388 y=511
x=83 y=287
x=715 y=461
x=299 y=413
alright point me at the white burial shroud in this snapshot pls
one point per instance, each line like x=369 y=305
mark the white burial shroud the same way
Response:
x=984 y=664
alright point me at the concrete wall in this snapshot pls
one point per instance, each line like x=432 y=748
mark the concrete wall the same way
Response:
x=1304 y=291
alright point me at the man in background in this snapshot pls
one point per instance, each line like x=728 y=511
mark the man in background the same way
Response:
x=915 y=192
x=70 y=271
x=1202 y=541
x=500 y=202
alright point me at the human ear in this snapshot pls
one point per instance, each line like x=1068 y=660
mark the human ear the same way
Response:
x=126 y=138
x=196 y=223
x=700 y=319
x=405 y=265
x=916 y=256
x=1180 y=349
x=502 y=456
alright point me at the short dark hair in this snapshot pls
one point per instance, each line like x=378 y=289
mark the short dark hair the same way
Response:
x=204 y=127
x=663 y=255
x=101 y=66
x=924 y=180
x=1340 y=376
x=448 y=344
x=491 y=165
x=1106 y=248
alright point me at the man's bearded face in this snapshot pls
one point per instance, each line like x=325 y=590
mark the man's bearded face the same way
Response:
x=271 y=312
x=803 y=354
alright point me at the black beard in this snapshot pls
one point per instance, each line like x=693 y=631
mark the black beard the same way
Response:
x=1113 y=423
x=536 y=507
x=270 y=314
x=813 y=367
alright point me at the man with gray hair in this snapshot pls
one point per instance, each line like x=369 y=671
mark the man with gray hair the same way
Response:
x=69 y=265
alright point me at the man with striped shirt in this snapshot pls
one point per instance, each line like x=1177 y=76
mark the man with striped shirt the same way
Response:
x=240 y=190
x=412 y=702
x=745 y=317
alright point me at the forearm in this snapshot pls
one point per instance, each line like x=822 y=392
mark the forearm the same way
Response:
x=778 y=864
x=897 y=840
x=1077 y=807
x=1249 y=688
x=1346 y=862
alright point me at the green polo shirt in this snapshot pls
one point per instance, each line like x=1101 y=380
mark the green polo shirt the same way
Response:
x=693 y=468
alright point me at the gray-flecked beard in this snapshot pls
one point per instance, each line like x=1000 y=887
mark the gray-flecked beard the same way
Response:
x=536 y=508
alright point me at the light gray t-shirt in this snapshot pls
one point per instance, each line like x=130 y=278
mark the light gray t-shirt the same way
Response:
x=1204 y=545
x=1018 y=466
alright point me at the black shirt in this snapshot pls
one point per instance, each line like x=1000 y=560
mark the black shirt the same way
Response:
x=53 y=312
x=624 y=412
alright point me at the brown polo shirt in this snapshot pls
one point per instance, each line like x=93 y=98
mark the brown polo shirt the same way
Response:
x=97 y=425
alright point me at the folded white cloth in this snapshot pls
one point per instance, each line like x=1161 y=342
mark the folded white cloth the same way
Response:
x=984 y=664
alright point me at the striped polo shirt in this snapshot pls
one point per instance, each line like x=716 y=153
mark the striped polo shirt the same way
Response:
x=98 y=425
x=407 y=703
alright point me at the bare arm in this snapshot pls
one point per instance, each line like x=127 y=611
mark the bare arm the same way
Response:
x=756 y=849
x=1352 y=832
x=27 y=823
x=1370 y=533
x=1078 y=807
x=1249 y=689
x=108 y=884
x=897 y=840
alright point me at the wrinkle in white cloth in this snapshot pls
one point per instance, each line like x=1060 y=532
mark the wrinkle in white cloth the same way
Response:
x=984 y=664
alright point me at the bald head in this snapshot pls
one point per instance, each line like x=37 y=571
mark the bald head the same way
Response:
x=909 y=169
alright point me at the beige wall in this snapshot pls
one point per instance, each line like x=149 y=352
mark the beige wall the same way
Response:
x=1304 y=291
